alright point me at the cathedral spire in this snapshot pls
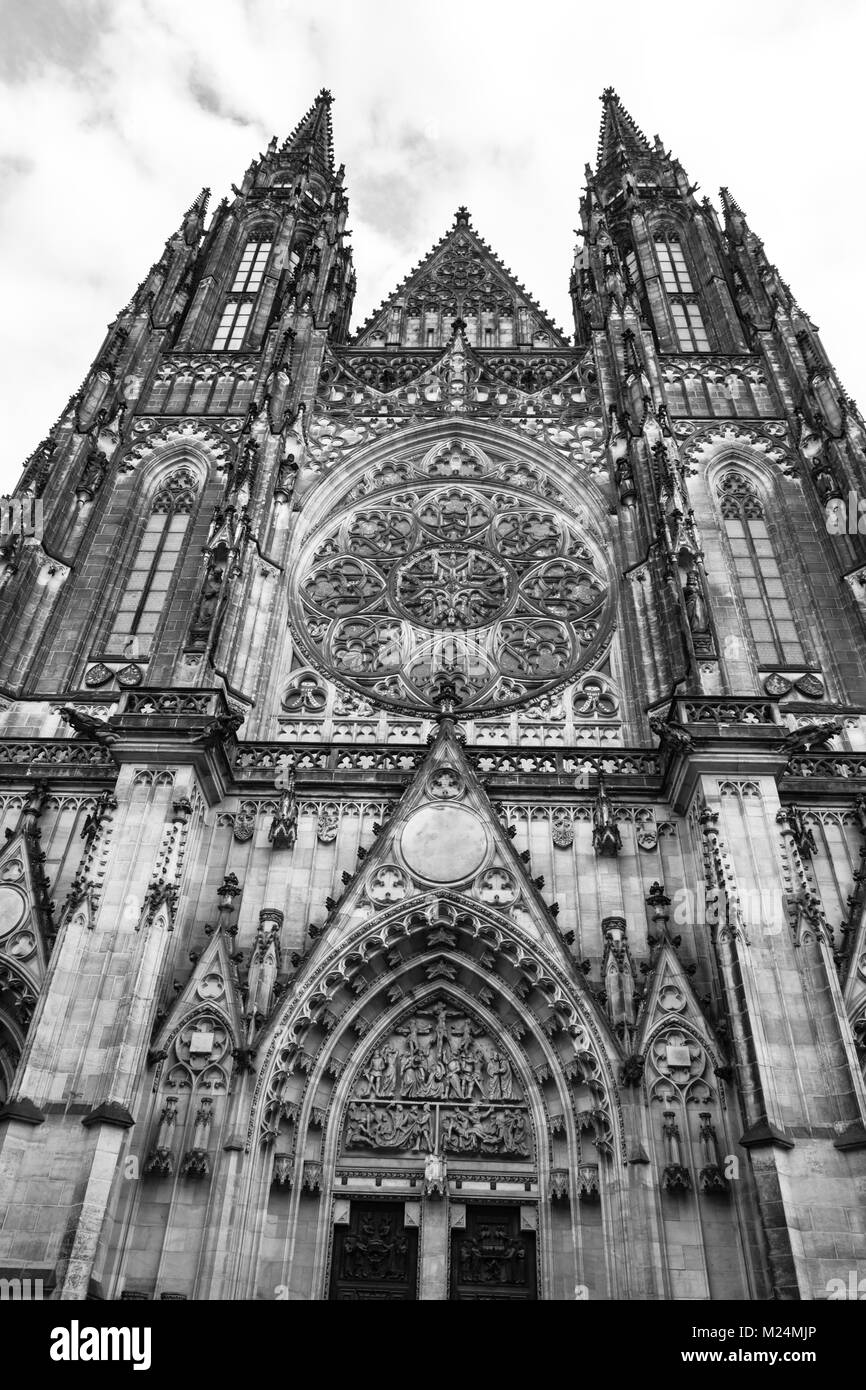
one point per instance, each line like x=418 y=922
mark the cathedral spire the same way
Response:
x=313 y=134
x=619 y=132
x=192 y=223
x=735 y=219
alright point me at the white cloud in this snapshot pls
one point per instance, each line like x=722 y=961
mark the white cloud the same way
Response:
x=113 y=116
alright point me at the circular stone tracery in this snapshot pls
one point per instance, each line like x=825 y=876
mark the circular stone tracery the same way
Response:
x=469 y=580
x=452 y=588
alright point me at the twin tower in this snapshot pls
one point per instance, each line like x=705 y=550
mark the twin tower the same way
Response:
x=433 y=770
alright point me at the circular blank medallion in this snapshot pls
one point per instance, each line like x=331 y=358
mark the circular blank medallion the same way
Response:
x=444 y=843
x=12 y=907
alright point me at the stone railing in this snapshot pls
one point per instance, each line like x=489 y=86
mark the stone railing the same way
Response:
x=731 y=709
x=253 y=761
x=56 y=755
x=171 y=702
x=815 y=765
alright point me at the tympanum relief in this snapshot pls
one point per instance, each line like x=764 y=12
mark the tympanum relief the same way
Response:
x=438 y=1083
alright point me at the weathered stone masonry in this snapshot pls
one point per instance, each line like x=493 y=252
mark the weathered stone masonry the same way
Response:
x=433 y=769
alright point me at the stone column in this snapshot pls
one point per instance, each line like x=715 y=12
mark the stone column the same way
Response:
x=438 y=1216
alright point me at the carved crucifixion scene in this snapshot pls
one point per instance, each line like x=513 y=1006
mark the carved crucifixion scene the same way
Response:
x=447 y=1087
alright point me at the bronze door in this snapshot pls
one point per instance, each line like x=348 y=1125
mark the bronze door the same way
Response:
x=375 y=1256
x=492 y=1259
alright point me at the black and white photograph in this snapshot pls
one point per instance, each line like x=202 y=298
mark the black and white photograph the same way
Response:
x=432 y=666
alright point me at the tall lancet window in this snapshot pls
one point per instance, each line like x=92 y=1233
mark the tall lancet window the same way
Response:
x=766 y=602
x=684 y=304
x=149 y=578
x=238 y=308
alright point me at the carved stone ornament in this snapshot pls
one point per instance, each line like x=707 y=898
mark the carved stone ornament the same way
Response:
x=435 y=1182
x=244 y=824
x=777 y=686
x=810 y=685
x=605 y=832
x=438 y=1084
x=130 y=675
x=476 y=583
x=97 y=675
x=563 y=828
x=284 y=1167
x=387 y=884
x=328 y=823
x=587 y=1182
x=559 y=1185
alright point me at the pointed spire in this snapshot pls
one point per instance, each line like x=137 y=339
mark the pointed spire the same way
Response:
x=618 y=129
x=199 y=204
x=192 y=225
x=735 y=219
x=313 y=134
x=729 y=203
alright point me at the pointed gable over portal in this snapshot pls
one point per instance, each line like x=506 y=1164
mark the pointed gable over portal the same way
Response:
x=460 y=278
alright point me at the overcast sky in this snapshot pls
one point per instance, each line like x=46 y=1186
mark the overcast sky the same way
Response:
x=114 y=113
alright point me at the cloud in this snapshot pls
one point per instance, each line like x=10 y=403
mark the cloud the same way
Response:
x=209 y=99
x=40 y=33
x=113 y=116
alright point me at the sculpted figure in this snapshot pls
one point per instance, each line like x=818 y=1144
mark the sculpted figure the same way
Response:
x=499 y=1085
x=389 y=1075
x=696 y=609
x=284 y=826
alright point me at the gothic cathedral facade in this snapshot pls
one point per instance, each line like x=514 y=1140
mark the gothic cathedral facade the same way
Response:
x=433 y=770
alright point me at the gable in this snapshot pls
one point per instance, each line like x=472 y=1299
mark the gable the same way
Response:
x=460 y=278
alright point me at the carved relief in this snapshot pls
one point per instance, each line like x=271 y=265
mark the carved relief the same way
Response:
x=438 y=1084
x=387 y=884
x=562 y=827
x=328 y=823
x=374 y=1251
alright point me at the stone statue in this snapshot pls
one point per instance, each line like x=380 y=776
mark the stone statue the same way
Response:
x=207 y=605
x=696 y=608
x=605 y=834
x=434 y=1176
x=93 y=476
x=499 y=1083
x=284 y=826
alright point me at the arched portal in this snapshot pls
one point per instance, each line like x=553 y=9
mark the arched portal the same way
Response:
x=439 y=1117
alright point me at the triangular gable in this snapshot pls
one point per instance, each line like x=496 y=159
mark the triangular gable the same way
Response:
x=444 y=835
x=211 y=991
x=460 y=275
x=671 y=1006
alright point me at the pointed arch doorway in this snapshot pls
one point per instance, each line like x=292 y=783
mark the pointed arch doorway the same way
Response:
x=437 y=1111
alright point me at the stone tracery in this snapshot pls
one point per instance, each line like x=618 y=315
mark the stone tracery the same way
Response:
x=466 y=580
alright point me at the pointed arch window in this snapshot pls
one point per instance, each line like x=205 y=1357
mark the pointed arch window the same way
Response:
x=237 y=310
x=251 y=268
x=149 y=578
x=768 y=609
x=684 y=304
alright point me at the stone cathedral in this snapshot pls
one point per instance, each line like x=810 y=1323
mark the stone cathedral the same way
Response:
x=433 y=771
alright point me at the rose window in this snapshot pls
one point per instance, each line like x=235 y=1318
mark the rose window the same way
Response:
x=476 y=583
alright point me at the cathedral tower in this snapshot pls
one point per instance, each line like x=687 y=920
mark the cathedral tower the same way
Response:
x=433 y=777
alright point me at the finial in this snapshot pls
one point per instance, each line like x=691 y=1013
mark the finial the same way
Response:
x=461 y=217
x=444 y=694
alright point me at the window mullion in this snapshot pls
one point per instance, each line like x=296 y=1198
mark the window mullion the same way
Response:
x=154 y=566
